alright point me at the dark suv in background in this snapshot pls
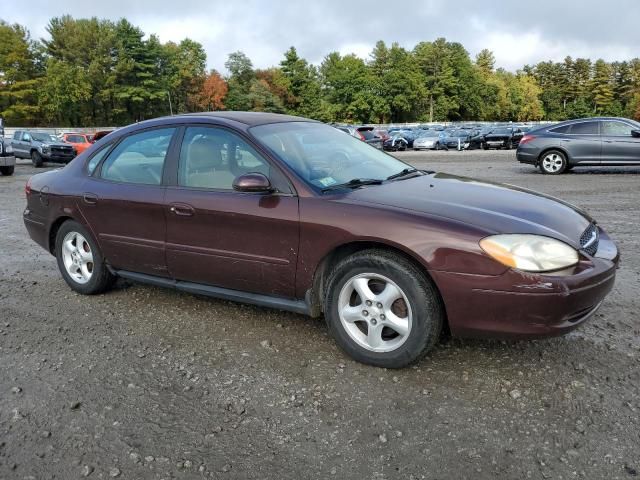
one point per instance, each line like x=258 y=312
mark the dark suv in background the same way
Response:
x=41 y=147
x=607 y=141
x=502 y=137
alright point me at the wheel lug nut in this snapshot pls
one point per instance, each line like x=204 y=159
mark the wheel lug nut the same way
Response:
x=365 y=313
x=373 y=321
x=383 y=318
x=379 y=305
x=368 y=302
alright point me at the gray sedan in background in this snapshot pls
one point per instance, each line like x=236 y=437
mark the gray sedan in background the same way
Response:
x=601 y=141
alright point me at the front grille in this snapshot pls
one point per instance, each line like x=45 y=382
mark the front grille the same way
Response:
x=589 y=239
x=62 y=150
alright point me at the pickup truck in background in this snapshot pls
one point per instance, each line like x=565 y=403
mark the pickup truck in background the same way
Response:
x=41 y=147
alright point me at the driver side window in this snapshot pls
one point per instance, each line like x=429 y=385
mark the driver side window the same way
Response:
x=213 y=157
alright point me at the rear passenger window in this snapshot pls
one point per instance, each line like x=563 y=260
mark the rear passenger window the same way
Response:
x=563 y=129
x=214 y=157
x=585 y=128
x=616 y=129
x=139 y=158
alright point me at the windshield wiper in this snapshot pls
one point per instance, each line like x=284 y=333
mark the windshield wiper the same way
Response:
x=404 y=172
x=353 y=183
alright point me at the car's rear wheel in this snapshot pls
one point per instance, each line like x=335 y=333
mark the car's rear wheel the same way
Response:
x=553 y=162
x=80 y=261
x=7 y=170
x=509 y=145
x=382 y=310
x=36 y=159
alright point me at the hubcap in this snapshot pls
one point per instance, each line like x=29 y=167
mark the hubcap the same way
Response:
x=375 y=312
x=77 y=257
x=552 y=163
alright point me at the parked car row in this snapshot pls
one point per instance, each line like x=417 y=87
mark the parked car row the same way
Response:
x=43 y=147
x=438 y=137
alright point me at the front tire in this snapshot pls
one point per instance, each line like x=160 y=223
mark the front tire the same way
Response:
x=7 y=171
x=80 y=260
x=553 y=162
x=36 y=159
x=382 y=310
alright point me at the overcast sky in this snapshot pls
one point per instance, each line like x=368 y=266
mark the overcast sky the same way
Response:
x=518 y=32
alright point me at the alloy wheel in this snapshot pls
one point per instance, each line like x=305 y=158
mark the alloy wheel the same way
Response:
x=375 y=312
x=77 y=257
x=552 y=163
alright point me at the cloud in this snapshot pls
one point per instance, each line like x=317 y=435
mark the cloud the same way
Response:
x=517 y=32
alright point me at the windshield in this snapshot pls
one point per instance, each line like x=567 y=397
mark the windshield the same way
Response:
x=44 y=137
x=324 y=157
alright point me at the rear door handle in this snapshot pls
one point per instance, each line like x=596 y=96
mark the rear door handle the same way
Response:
x=90 y=198
x=182 y=209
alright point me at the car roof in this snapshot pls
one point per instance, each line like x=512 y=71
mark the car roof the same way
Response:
x=248 y=118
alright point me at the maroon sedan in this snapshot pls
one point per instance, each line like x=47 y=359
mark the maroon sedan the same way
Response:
x=290 y=213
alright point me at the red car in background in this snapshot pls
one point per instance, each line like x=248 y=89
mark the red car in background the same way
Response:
x=80 y=141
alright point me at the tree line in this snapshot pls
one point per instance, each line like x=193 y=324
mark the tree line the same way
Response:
x=90 y=72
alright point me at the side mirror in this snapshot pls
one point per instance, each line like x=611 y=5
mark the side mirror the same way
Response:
x=252 y=183
x=635 y=133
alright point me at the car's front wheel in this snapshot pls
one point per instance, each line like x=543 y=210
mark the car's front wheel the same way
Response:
x=80 y=261
x=36 y=159
x=382 y=310
x=553 y=162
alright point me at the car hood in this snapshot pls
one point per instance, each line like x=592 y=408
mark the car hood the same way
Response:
x=492 y=207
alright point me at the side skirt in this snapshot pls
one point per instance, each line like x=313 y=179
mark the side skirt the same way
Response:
x=279 y=303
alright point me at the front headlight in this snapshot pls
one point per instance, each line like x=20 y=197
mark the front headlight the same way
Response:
x=45 y=149
x=531 y=253
x=8 y=148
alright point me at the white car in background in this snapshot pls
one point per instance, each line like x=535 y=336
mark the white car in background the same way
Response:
x=427 y=140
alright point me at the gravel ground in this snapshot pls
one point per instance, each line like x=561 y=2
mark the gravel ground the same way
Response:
x=149 y=383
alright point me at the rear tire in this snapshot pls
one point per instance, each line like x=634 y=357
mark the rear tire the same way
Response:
x=7 y=171
x=553 y=162
x=36 y=159
x=80 y=260
x=382 y=310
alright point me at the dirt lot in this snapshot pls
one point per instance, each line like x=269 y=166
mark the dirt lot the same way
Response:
x=149 y=383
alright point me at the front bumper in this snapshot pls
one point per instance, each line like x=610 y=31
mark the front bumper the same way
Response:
x=8 y=161
x=57 y=158
x=518 y=305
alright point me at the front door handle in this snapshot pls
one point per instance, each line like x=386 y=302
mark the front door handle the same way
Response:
x=182 y=209
x=90 y=198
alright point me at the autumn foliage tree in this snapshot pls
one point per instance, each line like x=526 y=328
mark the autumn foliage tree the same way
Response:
x=97 y=72
x=212 y=93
